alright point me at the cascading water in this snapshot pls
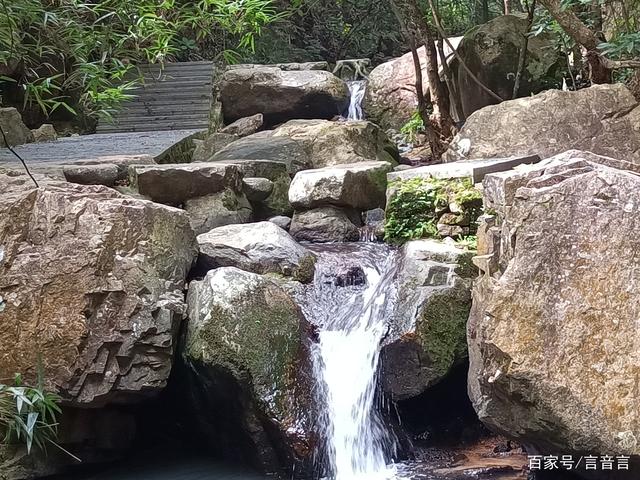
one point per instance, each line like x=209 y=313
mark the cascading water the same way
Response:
x=357 y=89
x=347 y=301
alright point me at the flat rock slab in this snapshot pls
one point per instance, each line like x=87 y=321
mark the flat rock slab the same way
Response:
x=172 y=184
x=475 y=169
x=114 y=148
x=358 y=185
x=260 y=247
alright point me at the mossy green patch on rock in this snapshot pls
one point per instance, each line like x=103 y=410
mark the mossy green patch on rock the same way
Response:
x=306 y=269
x=442 y=327
x=415 y=205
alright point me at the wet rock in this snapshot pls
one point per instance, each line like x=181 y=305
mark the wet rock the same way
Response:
x=257 y=189
x=172 y=184
x=360 y=186
x=492 y=51
x=335 y=143
x=218 y=209
x=428 y=325
x=93 y=288
x=14 y=128
x=44 y=133
x=553 y=336
x=106 y=174
x=260 y=247
x=281 y=221
x=245 y=126
x=281 y=95
x=354 y=276
x=247 y=352
x=326 y=224
x=545 y=125
x=212 y=144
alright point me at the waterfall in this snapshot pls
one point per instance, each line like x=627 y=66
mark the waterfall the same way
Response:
x=347 y=301
x=357 y=89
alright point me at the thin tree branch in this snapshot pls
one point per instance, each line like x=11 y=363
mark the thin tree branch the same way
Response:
x=24 y=164
x=615 y=64
x=522 y=58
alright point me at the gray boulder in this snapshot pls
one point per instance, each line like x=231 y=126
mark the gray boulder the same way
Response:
x=553 y=331
x=335 y=143
x=492 y=52
x=260 y=247
x=212 y=144
x=547 y=124
x=93 y=288
x=281 y=95
x=281 y=221
x=218 y=209
x=326 y=224
x=106 y=174
x=44 y=133
x=14 y=128
x=245 y=126
x=428 y=324
x=264 y=146
x=361 y=186
x=257 y=189
x=172 y=184
x=247 y=349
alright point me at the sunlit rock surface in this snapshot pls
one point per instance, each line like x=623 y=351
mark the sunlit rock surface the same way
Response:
x=92 y=283
x=553 y=333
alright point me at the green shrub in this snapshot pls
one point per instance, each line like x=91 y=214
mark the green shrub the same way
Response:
x=28 y=415
x=416 y=205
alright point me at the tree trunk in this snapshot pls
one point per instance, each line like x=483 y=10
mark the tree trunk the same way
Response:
x=524 y=50
x=413 y=21
x=583 y=35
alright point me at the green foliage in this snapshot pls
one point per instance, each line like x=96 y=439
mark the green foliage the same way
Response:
x=626 y=45
x=74 y=52
x=28 y=415
x=417 y=204
x=330 y=30
x=412 y=128
x=470 y=242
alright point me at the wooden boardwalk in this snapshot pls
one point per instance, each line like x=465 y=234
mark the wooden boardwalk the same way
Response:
x=176 y=97
x=98 y=148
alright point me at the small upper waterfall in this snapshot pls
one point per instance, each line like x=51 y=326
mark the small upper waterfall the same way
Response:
x=348 y=301
x=357 y=89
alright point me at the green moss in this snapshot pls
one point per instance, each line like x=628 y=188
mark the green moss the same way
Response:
x=306 y=270
x=230 y=200
x=278 y=202
x=258 y=341
x=442 y=328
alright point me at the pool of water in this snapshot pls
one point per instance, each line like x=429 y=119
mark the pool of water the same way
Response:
x=163 y=468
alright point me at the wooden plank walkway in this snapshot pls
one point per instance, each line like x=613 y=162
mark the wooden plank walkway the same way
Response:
x=176 y=97
x=97 y=148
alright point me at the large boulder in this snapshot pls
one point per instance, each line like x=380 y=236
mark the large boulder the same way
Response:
x=553 y=333
x=260 y=247
x=281 y=95
x=247 y=350
x=334 y=143
x=92 y=283
x=360 y=186
x=391 y=99
x=492 y=52
x=14 y=128
x=172 y=184
x=264 y=146
x=205 y=149
x=604 y=119
x=427 y=338
x=325 y=224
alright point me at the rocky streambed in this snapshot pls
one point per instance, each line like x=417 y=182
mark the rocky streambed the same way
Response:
x=225 y=307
